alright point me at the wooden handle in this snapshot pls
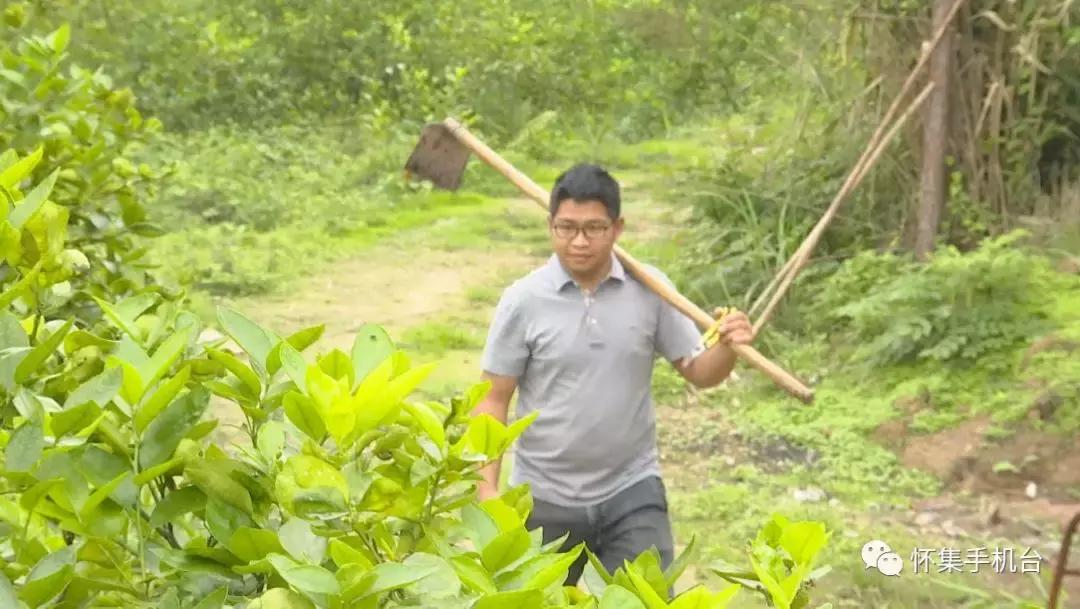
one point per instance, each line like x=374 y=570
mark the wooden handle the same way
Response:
x=533 y=190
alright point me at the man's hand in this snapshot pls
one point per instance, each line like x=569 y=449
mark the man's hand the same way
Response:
x=735 y=327
x=732 y=327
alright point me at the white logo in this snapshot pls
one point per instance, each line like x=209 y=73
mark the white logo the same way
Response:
x=878 y=555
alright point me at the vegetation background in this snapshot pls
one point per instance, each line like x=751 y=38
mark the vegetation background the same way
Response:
x=248 y=154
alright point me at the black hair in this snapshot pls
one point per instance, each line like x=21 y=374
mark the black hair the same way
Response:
x=586 y=182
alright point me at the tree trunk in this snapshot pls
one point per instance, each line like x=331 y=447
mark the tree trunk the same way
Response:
x=935 y=137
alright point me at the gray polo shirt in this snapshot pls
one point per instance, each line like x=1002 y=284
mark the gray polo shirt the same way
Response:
x=585 y=363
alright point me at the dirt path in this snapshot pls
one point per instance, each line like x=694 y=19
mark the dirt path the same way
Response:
x=406 y=282
x=396 y=287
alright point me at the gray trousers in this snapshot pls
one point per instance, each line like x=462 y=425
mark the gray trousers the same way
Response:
x=615 y=530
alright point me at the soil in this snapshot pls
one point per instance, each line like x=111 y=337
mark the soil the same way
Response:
x=395 y=287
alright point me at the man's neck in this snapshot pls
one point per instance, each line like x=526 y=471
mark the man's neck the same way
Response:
x=590 y=282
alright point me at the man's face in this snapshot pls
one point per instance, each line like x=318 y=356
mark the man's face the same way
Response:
x=583 y=235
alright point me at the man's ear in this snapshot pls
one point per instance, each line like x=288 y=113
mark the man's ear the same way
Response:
x=618 y=227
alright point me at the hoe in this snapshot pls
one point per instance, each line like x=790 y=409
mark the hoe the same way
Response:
x=441 y=156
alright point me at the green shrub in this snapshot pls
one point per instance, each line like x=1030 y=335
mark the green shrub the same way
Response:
x=341 y=491
x=957 y=307
x=79 y=136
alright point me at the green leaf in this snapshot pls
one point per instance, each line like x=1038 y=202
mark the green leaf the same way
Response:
x=301 y=543
x=518 y=427
x=252 y=338
x=480 y=523
x=647 y=565
x=49 y=577
x=506 y=518
x=23 y=285
x=238 y=368
x=427 y=420
x=131 y=388
x=304 y=415
x=33 y=201
x=617 y=597
x=473 y=574
x=485 y=435
x=132 y=307
x=101 y=389
x=645 y=591
x=371 y=347
x=304 y=475
x=74 y=419
x=7 y=593
x=40 y=353
x=518 y=599
x=294 y=364
x=165 y=356
x=699 y=597
x=164 y=433
x=344 y=554
x=389 y=576
x=596 y=580
x=151 y=473
x=281 y=598
x=250 y=545
x=804 y=541
x=12 y=333
x=14 y=174
x=779 y=595
x=202 y=429
x=101 y=494
x=80 y=339
x=556 y=572
x=25 y=447
x=271 y=439
x=223 y=520
x=302 y=339
x=177 y=503
x=58 y=40
x=215 y=600
x=214 y=480
x=309 y=579
x=160 y=399
x=440 y=579
x=507 y=547
x=337 y=365
x=127 y=326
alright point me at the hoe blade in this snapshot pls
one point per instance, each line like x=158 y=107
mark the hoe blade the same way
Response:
x=439 y=157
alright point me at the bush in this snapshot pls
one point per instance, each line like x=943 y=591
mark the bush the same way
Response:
x=79 y=135
x=339 y=491
x=957 y=307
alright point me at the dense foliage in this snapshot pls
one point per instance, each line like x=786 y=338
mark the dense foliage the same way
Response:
x=647 y=64
x=77 y=129
x=338 y=490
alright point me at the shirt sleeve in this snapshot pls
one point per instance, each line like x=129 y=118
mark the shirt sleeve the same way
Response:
x=677 y=335
x=506 y=349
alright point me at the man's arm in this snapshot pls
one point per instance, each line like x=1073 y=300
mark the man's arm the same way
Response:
x=708 y=369
x=496 y=404
x=712 y=366
x=506 y=353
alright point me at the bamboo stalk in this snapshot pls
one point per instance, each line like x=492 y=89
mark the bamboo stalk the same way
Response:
x=803 y=254
x=858 y=170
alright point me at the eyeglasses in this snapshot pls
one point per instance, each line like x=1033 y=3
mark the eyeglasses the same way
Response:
x=592 y=230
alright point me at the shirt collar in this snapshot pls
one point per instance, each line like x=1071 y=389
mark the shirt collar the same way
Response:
x=561 y=278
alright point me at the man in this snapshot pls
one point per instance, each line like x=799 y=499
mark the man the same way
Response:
x=578 y=338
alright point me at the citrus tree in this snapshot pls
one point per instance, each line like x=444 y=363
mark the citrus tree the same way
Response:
x=338 y=489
